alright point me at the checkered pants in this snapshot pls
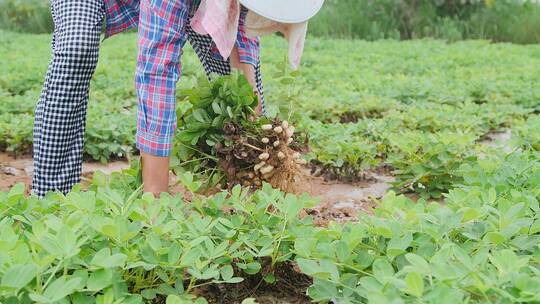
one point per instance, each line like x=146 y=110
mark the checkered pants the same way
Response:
x=60 y=116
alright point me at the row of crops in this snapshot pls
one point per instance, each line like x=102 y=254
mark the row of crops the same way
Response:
x=111 y=245
x=423 y=110
x=422 y=107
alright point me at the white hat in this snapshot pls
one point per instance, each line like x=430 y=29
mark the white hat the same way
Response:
x=284 y=11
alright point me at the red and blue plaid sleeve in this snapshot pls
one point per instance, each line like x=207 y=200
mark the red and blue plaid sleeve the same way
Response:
x=120 y=16
x=161 y=38
x=248 y=48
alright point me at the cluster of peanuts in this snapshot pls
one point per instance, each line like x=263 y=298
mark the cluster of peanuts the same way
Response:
x=281 y=135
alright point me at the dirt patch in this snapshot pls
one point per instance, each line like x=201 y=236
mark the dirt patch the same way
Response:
x=342 y=201
x=499 y=140
x=20 y=170
x=289 y=288
x=354 y=117
x=347 y=173
x=105 y=168
x=14 y=171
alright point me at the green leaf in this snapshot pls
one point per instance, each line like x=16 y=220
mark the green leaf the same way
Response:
x=270 y=278
x=227 y=272
x=104 y=259
x=322 y=290
x=308 y=267
x=18 y=276
x=174 y=299
x=216 y=108
x=398 y=245
x=342 y=251
x=287 y=80
x=252 y=268
x=234 y=280
x=80 y=298
x=200 y=301
x=495 y=237
x=470 y=214
x=292 y=206
x=149 y=294
x=100 y=279
x=383 y=230
x=217 y=122
x=175 y=251
x=57 y=290
x=67 y=240
x=200 y=115
x=15 y=194
x=418 y=263
x=382 y=269
x=415 y=284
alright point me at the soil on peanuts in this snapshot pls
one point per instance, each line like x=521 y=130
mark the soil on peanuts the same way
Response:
x=271 y=154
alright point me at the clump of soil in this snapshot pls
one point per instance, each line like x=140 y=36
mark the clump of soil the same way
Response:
x=269 y=154
x=14 y=171
x=347 y=172
x=290 y=286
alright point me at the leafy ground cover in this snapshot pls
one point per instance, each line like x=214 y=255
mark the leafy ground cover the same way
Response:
x=419 y=107
x=422 y=110
x=111 y=245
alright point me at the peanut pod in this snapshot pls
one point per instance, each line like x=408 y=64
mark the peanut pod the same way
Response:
x=258 y=166
x=301 y=161
x=267 y=169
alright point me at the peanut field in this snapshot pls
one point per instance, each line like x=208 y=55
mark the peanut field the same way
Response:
x=452 y=130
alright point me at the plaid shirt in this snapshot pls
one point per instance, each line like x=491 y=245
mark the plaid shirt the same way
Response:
x=161 y=38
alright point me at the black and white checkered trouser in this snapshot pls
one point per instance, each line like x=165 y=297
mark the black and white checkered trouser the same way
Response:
x=60 y=116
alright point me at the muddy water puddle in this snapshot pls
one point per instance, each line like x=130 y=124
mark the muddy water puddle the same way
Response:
x=342 y=201
x=20 y=170
x=501 y=140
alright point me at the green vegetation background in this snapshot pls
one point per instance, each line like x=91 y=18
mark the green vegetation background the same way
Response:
x=498 y=20
x=424 y=108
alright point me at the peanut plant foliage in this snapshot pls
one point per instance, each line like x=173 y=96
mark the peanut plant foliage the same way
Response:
x=423 y=109
x=111 y=245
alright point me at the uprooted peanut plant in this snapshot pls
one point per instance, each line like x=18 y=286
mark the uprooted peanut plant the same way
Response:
x=222 y=141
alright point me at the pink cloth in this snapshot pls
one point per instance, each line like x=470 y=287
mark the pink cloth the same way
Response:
x=219 y=19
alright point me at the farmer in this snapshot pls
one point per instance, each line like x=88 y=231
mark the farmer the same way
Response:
x=60 y=115
x=61 y=110
x=164 y=27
